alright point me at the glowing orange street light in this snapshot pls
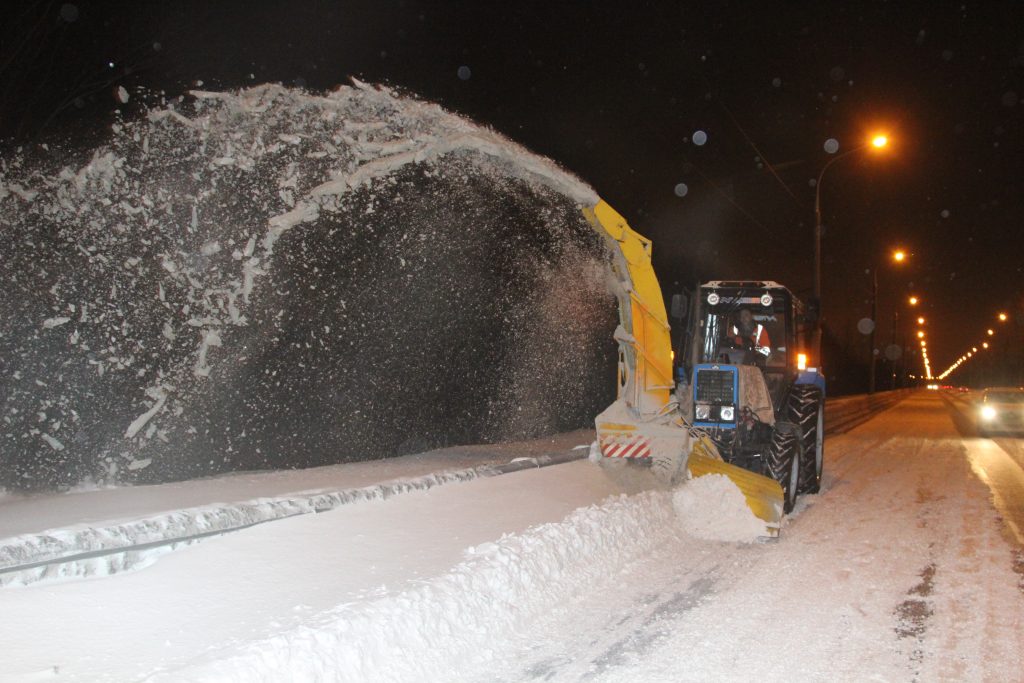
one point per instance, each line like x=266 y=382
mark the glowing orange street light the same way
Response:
x=984 y=345
x=1002 y=317
x=974 y=348
x=899 y=256
x=877 y=143
x=990 y=332
x=913 y=300
x=920 y=321
x=920 y=334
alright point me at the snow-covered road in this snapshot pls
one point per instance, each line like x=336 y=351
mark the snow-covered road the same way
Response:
x=901 y=569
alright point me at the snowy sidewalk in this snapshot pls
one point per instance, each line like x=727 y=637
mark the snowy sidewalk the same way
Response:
x=261 y=601
x=37 y=529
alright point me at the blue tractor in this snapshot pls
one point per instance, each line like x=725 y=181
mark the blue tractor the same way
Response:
x=742 y=375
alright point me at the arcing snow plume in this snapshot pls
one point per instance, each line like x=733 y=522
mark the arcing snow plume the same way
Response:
x=270 y=278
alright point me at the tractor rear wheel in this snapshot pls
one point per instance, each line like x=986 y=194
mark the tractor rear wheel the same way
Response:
x=806 y=409
x=783 y=461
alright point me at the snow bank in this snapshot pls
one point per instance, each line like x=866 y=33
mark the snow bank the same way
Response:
x=458 y=618
x=451 y=623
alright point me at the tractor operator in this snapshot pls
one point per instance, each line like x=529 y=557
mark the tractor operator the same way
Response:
x=750 y=333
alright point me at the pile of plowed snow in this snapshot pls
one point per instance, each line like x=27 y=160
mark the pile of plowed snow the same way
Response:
x=713 y=508
x=499 y=589
x=271 y=279
x=418 y=634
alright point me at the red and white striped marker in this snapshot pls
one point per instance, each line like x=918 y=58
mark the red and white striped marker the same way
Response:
x=625 y=447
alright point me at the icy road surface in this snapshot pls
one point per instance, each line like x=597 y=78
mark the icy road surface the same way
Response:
x=906 y=567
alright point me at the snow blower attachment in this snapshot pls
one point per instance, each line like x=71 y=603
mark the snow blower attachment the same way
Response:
x=727 y=414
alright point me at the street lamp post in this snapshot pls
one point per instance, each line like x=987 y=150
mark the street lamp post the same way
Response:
x=874 y=326
x=895 y=361
x=877 y=142
x=899 y=256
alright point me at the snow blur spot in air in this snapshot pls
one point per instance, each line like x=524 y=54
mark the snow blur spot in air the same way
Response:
x=812 y=182
x=157 y=47
x=1010 y=98
x=831 y=145
x=700 y=138
x=776 y=82
x=464 y=73
x=944 y=213
x=920 y=37
x=866 y=326
x=947 y=55
x=69 y=12
x=681 y=189
x=122 y=95
x=837 y=73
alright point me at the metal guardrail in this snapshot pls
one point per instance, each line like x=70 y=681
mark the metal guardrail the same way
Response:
x=846 y=412
x=30 y=557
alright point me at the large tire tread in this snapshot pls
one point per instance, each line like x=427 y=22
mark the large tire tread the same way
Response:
x=785 y=445
x=805 y=409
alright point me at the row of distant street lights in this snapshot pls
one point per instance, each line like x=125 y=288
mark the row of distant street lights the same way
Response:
x=879 y=142
x=990 y=332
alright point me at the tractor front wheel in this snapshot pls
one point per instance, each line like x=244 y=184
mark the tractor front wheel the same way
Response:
x=785 y=452
x=806 y=409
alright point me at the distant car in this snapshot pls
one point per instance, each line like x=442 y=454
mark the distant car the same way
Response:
x=1001 y=409
x=963 y=390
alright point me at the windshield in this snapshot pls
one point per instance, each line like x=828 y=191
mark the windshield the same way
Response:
x=740 y=330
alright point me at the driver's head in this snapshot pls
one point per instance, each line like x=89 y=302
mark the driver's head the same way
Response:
x=746 y=322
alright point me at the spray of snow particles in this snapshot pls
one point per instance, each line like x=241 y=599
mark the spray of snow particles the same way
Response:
x=274 y=279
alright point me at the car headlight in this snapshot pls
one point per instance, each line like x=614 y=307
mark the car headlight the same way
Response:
x=728 y=413
x=988 y=413
x=703 y=411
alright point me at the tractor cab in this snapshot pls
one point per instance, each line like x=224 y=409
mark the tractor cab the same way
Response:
x=742 y=377
x=757 y=323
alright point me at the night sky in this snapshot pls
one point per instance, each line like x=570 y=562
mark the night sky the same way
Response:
x=621 y=94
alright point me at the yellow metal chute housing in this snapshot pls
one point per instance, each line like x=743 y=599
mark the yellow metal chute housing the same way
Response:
x=644 y=423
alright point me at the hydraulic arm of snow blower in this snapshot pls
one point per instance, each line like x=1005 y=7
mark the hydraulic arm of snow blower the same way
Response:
x=645 y=421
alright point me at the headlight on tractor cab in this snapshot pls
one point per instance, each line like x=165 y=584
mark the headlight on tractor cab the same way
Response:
x=988 y=413
x=728 y=413
x=703 y=411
